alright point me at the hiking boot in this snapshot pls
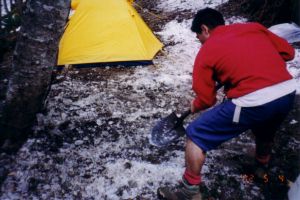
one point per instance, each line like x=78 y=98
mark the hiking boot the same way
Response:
x=184 y=192
x=253 y=170
x=261 y=171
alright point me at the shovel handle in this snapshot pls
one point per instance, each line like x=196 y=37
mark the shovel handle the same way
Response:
x=185 y=114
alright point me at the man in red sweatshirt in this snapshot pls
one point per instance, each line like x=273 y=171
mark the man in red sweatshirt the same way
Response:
x=249 y=61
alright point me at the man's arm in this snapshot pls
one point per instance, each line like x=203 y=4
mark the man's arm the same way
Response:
x=203 y=85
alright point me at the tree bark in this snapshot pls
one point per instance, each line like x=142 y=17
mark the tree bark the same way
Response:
x=33 y=60
x=270 y=12
x=296 y=11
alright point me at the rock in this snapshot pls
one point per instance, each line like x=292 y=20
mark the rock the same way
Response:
x=79 y=142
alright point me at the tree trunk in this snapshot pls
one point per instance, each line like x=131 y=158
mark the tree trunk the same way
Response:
x=269 y=12
x=296 y=11
x=33 y=60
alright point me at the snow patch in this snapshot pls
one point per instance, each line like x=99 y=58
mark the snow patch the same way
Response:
x=124 y=178
x=180 y=5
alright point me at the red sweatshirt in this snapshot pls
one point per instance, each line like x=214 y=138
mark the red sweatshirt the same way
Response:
x=243 y=58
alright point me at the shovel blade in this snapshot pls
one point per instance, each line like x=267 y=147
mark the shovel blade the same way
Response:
x=166 y=131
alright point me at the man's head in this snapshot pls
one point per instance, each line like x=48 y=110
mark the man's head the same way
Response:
x=206 y=20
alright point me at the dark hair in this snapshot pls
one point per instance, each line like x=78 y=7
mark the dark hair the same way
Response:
x=209 y=17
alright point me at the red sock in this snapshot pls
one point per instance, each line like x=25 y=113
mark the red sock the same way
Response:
x=191 y=178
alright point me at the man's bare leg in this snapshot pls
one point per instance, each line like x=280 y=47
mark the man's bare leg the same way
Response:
x=194 y=158
x=190 y=189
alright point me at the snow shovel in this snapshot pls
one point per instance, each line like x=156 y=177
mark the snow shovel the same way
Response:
x=168 y=129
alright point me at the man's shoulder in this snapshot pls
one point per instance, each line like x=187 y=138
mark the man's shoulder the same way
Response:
x=247 y=25
x=231 y=29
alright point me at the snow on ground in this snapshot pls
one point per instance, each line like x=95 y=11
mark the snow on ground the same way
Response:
x=293 y=67
x=92 y=141
x=179 y=5
x=135 y=175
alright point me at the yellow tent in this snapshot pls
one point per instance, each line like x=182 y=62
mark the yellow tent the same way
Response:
x=106 y=31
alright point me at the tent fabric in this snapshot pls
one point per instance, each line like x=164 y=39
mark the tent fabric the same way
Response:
x=102 y=31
